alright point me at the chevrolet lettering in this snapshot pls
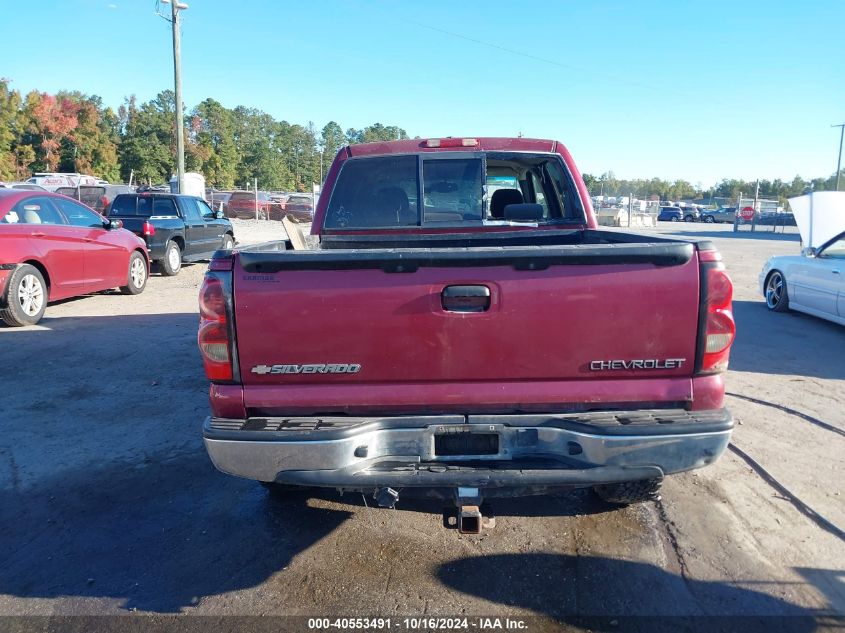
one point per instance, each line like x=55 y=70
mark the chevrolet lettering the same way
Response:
x=645 y=363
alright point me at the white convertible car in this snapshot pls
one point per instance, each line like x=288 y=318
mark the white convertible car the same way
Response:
x=813 y=282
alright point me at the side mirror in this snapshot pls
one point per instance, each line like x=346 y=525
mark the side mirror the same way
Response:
x=114 y=224
x=219 y=215
x=810 y=252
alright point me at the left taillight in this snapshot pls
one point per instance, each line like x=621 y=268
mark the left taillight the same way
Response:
x=214 y=335
x=719 y=328
x=148 y=228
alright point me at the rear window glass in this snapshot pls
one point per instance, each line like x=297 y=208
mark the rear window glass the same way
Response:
x=143 y=206
x=375 y=193
x=242 y=196
x=452 y=190
x=458 y=189
x=123 y=205
x=163 y=206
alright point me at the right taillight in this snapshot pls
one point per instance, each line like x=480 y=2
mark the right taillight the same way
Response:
x=213 y=337
x=719 y=328
x=148 y=228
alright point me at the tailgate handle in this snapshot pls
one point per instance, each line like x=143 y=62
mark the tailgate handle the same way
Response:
x=475 y=298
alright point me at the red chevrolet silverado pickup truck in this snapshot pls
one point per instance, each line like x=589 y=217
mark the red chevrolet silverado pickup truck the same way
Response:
x=464 y=329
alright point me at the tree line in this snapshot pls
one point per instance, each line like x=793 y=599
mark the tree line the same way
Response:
x=232 y=147
x=728 y=188
x=74 y=132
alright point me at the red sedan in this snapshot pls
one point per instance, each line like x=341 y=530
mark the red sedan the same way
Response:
x=52 y=247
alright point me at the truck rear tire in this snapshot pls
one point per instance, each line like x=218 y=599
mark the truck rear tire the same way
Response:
x=630 y=491
x=172 y=262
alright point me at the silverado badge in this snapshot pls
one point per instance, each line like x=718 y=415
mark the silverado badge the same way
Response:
x=320 y=368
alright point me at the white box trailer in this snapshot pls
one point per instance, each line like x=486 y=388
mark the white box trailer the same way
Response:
x=194 y=184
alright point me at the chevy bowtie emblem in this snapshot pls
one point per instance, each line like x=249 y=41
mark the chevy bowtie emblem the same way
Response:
x=333 y=368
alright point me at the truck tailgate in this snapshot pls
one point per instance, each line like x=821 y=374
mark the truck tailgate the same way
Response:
x=134 y=223
x=321 y=333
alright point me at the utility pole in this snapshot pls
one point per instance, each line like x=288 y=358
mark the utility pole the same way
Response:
x=841 y=127
x=175 y=8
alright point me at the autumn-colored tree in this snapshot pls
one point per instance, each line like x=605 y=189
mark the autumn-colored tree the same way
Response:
x=54 y=120
x=92 y=148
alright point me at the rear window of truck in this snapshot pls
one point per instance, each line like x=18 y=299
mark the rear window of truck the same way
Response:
x=142 y=206
x=452 y=189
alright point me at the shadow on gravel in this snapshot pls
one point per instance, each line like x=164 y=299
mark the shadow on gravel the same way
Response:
x=792 y=343
x=105 y=489
x=557 y=503
x=607 y=594
x=157 y=536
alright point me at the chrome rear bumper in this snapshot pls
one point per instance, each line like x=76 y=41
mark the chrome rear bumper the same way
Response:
x=574 y=450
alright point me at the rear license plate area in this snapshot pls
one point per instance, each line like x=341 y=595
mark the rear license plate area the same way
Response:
x=461 y=444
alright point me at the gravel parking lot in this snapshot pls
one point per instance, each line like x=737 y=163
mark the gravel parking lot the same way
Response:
x=109 y=504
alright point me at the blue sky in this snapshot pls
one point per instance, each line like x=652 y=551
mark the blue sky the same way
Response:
x=694 y=90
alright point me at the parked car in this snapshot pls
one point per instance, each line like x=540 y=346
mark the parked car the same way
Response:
x=98 y=197
x=93 y=196
x=813 y=282
x=299 y=207
x=22 y=185
x=776 y=218
x=691 y=214
x=676 y=214
x=422 y=346
x=216 y=198
x=52 y=247
x=242 y=205
x=176 y=228
x=721 y=215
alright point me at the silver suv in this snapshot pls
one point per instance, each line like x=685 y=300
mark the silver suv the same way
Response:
x=724 y=214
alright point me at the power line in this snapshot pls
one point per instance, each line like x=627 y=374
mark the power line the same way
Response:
x=544 y=60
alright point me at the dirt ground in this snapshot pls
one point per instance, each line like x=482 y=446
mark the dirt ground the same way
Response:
x=109 y=504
